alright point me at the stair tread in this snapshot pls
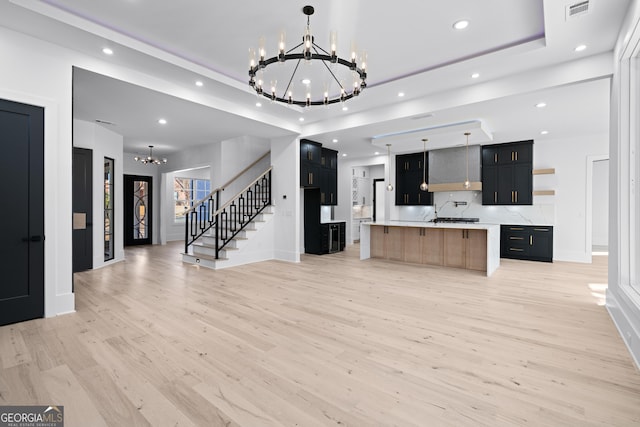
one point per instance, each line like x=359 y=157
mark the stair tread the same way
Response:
x=206 y=257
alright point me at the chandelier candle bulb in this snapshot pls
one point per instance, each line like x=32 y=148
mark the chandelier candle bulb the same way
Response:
x=333 y=43
x=281 y=46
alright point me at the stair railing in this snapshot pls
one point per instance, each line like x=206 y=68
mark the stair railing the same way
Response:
x=233 y=217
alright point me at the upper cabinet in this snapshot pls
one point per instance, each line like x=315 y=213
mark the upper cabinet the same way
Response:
x=310 y=152
x=507 y=174
x=319 y=169
x=410 y=171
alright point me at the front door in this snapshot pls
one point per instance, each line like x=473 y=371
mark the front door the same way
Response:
x=22 y=217
x=82 y=209
x=137 y=210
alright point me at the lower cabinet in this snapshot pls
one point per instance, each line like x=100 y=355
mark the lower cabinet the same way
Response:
x=527 y=242
x=465 y=249
x=434 y=246
x=387 y=242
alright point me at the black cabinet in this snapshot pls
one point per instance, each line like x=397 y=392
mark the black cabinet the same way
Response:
x=329 y=158
x=507 y=174
x=329 y=177
x=411 y=169
x=310 y=152
x=319 y=169
x=528 y=242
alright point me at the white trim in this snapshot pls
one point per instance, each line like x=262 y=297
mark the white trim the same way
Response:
x=588 y=232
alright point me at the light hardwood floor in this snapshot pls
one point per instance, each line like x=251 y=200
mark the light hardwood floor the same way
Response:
x=330 y=341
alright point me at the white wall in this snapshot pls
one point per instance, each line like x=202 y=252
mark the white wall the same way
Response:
x=285 y=193
x=39 y=73
x=103 y=143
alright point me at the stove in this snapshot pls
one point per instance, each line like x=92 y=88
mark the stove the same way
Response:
x=454 y=220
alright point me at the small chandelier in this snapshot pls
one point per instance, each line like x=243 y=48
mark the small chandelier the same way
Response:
x=389 y=186
x=467 y=184
x=424 y=186
x=150 y=159
x=310 y=52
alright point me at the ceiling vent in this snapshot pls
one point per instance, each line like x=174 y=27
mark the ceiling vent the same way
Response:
x=577 y=9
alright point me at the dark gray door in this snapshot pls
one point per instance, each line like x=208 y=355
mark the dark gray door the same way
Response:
x=82 y=210
x=137 y=210
x=22 y=216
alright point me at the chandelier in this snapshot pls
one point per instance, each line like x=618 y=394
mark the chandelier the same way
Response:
x=310 y=52
x=150 y=159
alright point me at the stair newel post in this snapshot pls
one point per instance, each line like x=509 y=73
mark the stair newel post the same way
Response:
x=186 y=234
x=269 y=187
x=217 y=220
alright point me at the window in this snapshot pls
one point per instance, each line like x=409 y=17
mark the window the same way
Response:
x=108 y=209
x=187 y=192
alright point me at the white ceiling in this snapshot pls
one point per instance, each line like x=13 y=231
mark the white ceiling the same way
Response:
x=411 y=48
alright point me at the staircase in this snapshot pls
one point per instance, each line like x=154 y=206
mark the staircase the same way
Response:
x=216 y=237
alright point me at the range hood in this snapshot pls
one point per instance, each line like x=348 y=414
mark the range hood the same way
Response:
x=448 y=169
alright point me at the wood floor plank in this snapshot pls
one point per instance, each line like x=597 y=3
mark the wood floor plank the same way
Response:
x=79 y=408
x=332 y=340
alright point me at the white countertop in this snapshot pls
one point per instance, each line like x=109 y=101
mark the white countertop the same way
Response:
x=332 y=221
x=456 y=225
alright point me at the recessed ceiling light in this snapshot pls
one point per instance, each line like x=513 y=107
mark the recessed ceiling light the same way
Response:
x=301 y=119
x=306 y=81
x=475 y=75
x=376 y=153
x=580 y=47
x=461 y=25
x=541 y=104
x=107 y=51
x=544 y=132
x=345 y=108
x=199 y=83
x=334 y=140
x=400 y=94
x=258 y=104
x=344 y=154
x=162 y=121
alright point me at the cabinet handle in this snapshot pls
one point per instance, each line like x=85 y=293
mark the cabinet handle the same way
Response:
x=512 y=197
x=310 y=178
x=495 y=158
x=419 y=198
x=495 y=197
x=516 y=250
x=331 y=197
x=541 y=229
x=516 y=228
x=516 y=156
x=512 y=156
x=530 y=240
x=516 y=191
x=463 y=234
x=516 y=238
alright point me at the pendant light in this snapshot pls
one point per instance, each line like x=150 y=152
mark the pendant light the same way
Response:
x=467 y=184
x=389 y=186
x=424 y=186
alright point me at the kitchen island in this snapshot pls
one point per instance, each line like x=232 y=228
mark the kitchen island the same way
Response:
x=472 y=246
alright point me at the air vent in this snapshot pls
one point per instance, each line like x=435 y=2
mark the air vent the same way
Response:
x=424 y=116
x=104 y=122
x=577 y=9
